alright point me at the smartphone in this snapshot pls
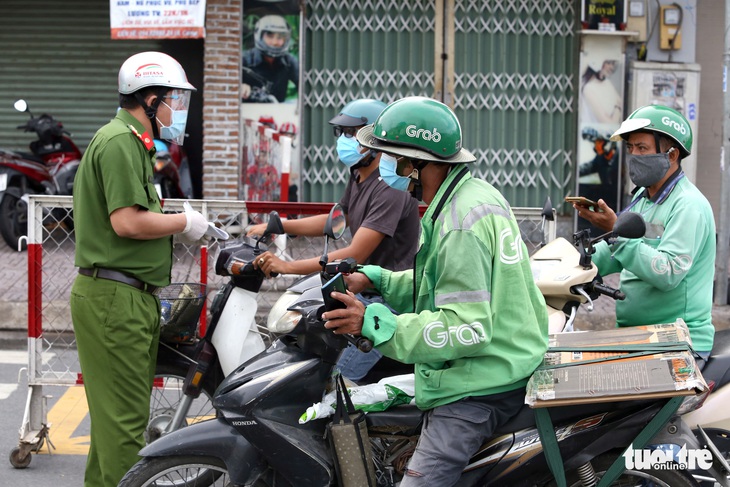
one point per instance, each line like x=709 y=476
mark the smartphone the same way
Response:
x=581 y=201
x=337 y=283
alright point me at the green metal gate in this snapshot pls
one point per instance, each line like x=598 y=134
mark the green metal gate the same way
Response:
x=505 y=66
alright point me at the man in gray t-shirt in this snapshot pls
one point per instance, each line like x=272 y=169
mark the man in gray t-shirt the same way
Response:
x=374 y=205
x=383 y=221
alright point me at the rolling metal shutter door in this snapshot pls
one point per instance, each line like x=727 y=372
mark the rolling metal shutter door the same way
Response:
x=513 y=84
x=60 y=58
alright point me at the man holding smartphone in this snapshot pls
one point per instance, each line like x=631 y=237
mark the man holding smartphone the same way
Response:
x=471 y=317
x=669 y=273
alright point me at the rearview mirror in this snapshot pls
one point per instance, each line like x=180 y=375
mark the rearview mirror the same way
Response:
x=275 y=226
x=629 y=225
x=20 y=105
x=336 y=223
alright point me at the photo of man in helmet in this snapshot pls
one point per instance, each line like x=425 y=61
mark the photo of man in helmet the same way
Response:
x=269 y=70
x=669 y=273
x=124 y=254
x=472 y=348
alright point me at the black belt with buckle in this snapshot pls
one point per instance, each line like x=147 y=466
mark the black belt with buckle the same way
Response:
x=119 y=277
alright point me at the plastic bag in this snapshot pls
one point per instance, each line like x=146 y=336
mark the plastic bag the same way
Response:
x=387 y=393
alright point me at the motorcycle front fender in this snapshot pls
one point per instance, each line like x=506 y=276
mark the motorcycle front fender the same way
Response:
x=213 y=438
x=9 y=174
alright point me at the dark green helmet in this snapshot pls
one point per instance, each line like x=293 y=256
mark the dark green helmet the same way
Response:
x=418 y=128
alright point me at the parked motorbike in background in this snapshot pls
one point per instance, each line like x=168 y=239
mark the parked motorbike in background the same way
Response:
x=256 y=438
x=49 y=168
x=172 y=171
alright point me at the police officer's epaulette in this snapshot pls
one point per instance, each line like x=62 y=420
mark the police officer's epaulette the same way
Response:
x=144 y=137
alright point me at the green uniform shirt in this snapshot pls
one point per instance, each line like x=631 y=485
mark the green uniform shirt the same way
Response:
x=116 y=172
x=668 y=274
x=472 y=319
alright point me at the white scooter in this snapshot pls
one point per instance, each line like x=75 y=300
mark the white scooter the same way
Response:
x=187 y=368
x=568 y=279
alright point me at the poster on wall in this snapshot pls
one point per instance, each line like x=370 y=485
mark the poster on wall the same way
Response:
x=674 y=85
x=600 y=114
x=161 y=19
x=606 y=15
x=270 y=101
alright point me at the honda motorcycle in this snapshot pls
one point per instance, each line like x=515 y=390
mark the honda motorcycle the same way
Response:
x=567 y=279
x=49 y=168
x=256 y=438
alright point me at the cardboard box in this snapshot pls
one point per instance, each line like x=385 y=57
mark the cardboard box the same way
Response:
x=643 y=362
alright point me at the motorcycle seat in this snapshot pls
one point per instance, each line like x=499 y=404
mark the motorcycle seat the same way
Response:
x=406 y=416
x=525 y=418
x=717 y=368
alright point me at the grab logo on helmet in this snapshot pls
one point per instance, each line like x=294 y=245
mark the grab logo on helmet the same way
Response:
x=679 y=127
x=412 y=131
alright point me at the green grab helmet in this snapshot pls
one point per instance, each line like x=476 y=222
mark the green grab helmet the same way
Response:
x=661 y=119
x=358 y=112
x=418 y=128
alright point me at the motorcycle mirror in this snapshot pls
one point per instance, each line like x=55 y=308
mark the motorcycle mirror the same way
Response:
x=21 y=105
x=547 y=210
x=334 y=227
x=629 y=225
x=336 y=223
x=274 y=226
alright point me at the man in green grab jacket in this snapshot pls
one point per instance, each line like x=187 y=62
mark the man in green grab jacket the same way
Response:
x=470 y=318
x=669 y=273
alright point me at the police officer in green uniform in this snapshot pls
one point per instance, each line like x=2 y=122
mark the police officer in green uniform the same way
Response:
x=471 y=317
x=124 y=253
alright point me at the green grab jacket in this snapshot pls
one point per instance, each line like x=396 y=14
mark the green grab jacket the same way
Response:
x=667 y=274
x=471 y=318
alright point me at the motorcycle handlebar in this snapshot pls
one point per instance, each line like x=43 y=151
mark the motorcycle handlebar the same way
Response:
x=361 y=343
x=240 y=268
x=345 y=266
x=609 y=291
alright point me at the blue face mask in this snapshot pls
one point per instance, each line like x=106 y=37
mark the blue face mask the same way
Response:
x=388 y=168
x=347 y=150
x=176 y=131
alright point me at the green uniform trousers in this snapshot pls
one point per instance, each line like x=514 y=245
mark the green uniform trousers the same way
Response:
x=117 y=330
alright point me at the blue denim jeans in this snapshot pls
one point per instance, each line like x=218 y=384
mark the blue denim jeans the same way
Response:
x=354 y=364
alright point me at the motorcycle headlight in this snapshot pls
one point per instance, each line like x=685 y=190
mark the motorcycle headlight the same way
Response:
x=281 y=320
x=286 y=323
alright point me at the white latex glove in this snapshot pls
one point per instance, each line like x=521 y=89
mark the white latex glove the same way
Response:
x=195 y=228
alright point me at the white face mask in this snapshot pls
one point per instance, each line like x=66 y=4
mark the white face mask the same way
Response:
x=175 y=132
x=178 y=106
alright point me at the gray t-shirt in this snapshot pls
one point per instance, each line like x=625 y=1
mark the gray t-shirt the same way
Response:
x=375 y=205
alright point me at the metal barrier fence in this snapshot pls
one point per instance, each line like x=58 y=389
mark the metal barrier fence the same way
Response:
x=51 y=273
